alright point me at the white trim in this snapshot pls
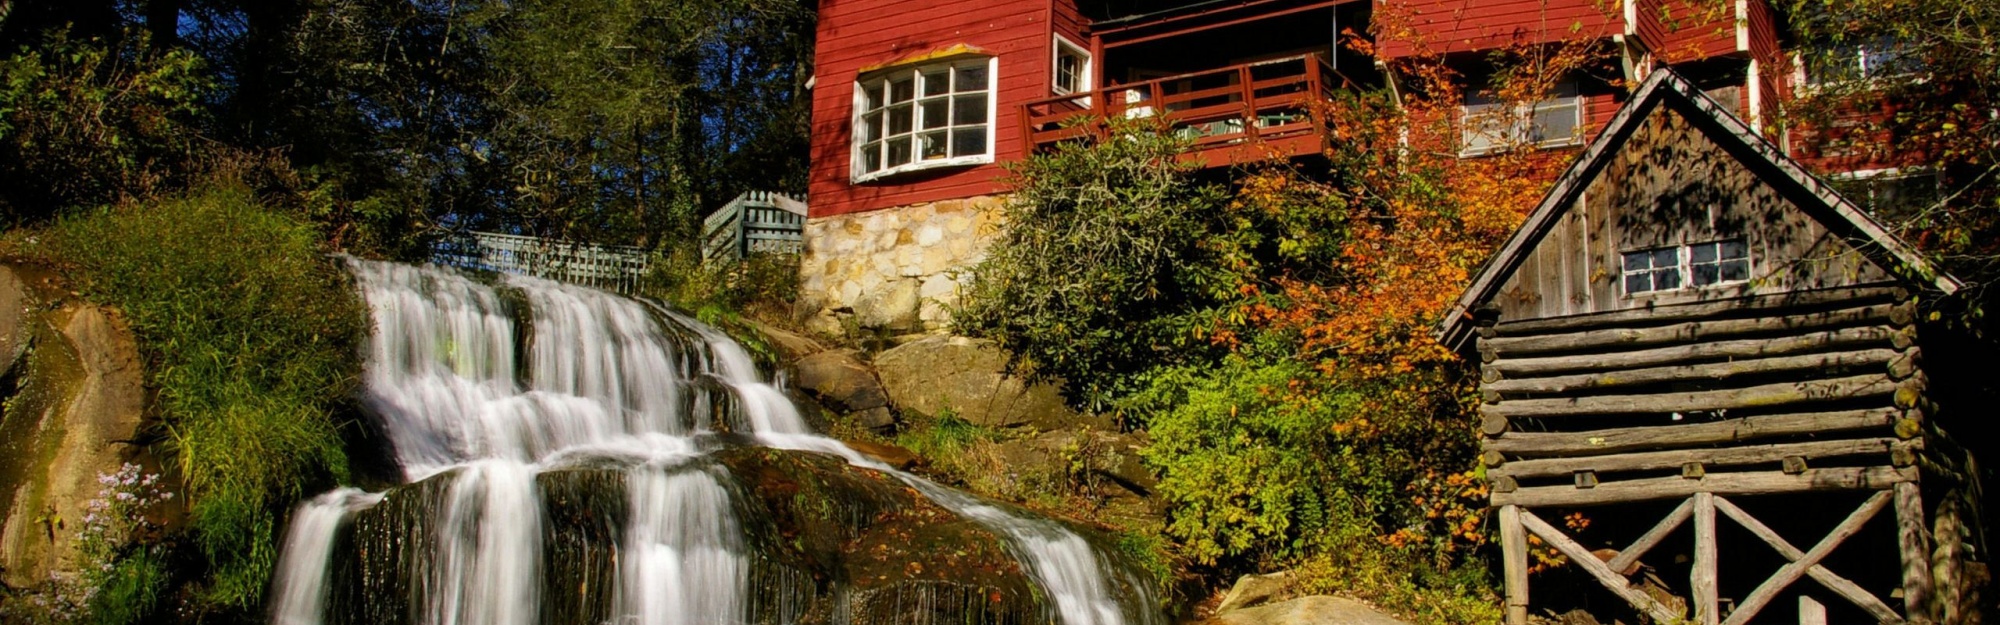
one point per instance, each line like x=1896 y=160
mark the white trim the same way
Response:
x=854 y=143
x=1524 y=115
x=1684 y=267
x=1742 y=25
x=1084 y=73
x=1753 y=83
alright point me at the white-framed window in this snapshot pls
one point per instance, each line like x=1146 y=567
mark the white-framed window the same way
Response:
x=924 y=116
x=1490 y=126
x=1710 y=263
x=1071 y=73
x=1892 y=191
x=1881 y=59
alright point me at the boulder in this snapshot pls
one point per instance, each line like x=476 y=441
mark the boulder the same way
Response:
x=73 y=413
x=968 y=378
x=791 y=346
x=839 y=380
x=1256 y=590
x=898 y=457
x=1316 y=610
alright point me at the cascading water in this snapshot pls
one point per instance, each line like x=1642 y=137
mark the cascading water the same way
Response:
x=488 y=392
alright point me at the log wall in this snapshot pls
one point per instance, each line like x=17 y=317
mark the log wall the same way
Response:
x=1791 y=392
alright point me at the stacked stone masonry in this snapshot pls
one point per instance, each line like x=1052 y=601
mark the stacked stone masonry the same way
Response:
x=898 y=269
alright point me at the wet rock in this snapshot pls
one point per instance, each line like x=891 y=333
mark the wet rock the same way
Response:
x=968 y=378
x=891 y=455
x=1256 y=590
x=878 y=419
x=791 y=346
x=839 y=380
x=1316 y=610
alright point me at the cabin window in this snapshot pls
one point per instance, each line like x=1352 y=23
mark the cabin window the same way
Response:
x=923 y=116
x=1072 y=68
x=1698 y=265
x=1878 y=59
x=1489 y=125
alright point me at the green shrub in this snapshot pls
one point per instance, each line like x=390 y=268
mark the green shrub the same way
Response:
x=251 y=337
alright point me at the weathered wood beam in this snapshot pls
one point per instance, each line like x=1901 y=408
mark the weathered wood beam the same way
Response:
x=1707 y=596
x=1757 y=483
x=1705 y=372
x=1701 y=330
x=1807 y=563
x=1672 y=436
x=1588 y=561
x=1833 y=340
x=1685 y=312
x=1760 y=396
x=1514 y=563
x=1625 y=559
x=1810 y=611
x=1709 y=458
x=1915 y=546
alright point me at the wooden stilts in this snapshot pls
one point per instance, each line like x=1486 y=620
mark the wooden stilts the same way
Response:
x=1582 y=557
x=1514 y=554
x=1806 y=563
x=1811 y=612
x=1915 y=545
x=1707 y=597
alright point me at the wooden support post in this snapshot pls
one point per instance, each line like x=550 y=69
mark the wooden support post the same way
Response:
x=1915 y=545
x=1811 y=612
x=1582 y=557
x=1707 y=597
x=1514 y=557
x=1806 y=563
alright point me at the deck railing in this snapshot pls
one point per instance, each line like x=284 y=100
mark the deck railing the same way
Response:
x=1234 y=108
x=754 y=222
x=610 y=267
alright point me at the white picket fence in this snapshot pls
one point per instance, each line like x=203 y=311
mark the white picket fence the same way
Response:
x=755 y=222
x=610 y=267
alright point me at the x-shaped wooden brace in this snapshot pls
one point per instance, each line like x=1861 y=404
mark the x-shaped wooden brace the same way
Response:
x=1806 y=563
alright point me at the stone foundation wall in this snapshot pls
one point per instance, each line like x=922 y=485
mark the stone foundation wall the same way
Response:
x=896 y=269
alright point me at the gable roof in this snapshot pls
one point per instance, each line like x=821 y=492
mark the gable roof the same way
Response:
x=1732 y=135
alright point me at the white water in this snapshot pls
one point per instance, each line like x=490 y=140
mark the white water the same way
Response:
x=599 y=377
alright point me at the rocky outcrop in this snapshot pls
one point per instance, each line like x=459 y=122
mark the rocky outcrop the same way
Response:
x=75 y=407
x=1256 y=590
x=968 y=378
x=839 y=381
x=1317 y=610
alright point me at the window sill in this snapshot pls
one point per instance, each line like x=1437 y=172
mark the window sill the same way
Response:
x=1736 y=285
x=1545 y=145
x=942 y=163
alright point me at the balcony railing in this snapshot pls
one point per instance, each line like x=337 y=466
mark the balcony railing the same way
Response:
x=1235 y=114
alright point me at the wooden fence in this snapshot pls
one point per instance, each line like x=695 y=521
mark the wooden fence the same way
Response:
x=610 y=267
x=754 y=222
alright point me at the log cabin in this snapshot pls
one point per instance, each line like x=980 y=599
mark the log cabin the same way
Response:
x=1692 y=328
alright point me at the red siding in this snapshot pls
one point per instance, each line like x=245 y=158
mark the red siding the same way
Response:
x=1415 y=27
x=1688 y=30
x=854 y=34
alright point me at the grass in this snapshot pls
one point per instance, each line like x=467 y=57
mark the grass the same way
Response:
x=250 y=334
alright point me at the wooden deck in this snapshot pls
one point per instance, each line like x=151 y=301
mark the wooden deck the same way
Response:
x=1238 y=114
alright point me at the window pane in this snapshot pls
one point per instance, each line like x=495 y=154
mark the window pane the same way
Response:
x=871 y=96
x=899 y=152
x=1555 y=121
x=871 y=157
x=1705 y=275
x=968 y=109
x=1638 y=282
x=1068 y=66
x=899 y=119
x=871 y=128
x=1703 y=253
x=968 y=141
x=937 y=81
x=935 y=112
x=971 y=78
x=932 y=144
x=1735 y=249
x=1664 y=279
x=1733 y=270
x=1635 y=261
x=1668 y=257
x=903 y=88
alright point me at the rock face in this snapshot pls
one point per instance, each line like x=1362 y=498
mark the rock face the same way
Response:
x=75 y=405
x=839 y=381
x=1318 y=610
x=1256 y=590
x=968 y=378
x=896 y=268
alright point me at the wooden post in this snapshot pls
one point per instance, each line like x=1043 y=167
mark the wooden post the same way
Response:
x=1811 y=612
x=1707 y=597
x=1514 y=558
x=1915 y=545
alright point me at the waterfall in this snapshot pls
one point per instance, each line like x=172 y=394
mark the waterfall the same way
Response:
x=482 y=388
